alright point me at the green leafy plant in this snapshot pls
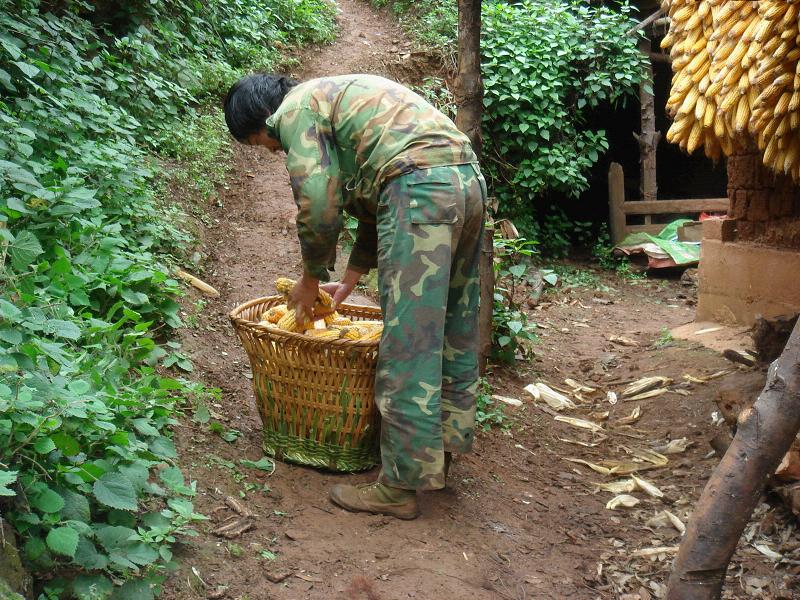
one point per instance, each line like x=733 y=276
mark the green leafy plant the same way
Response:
x=603 y=253
x=512 y=334
x=664 y=338
x=99 y=118
x=489 y=413
x=545 y=64
x=535 y=110
x=435 y=91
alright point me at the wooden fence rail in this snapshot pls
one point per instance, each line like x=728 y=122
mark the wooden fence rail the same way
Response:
x=619 y=208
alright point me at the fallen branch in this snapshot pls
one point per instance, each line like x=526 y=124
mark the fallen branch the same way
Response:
x=764 y=434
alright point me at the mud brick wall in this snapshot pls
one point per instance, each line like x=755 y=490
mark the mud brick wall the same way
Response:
x=766 y=205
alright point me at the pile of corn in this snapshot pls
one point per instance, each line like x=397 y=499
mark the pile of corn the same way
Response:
x=331 y=327
x=736 y=66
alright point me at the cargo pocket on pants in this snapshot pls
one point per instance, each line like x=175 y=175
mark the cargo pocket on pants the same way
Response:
x=431 y=202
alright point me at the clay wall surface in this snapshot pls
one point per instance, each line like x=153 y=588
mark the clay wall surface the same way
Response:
x=766 y=206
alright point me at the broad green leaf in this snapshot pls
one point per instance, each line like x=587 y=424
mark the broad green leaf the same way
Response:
x=64 y=329
x=163 y=447
x=11 y=335
x=15 y=172
x=35 y=548
x=116 y=491
x=9 y=311
x=92 y=587
x=115 y=537
x=66 y=443
x=201 y=414
x=44 y=445
x=24 y=250
x=6 y=479
x=137 y=473
x=26 y=68
x=515 y=326
x=47 y=501
x=63 y=541
x=141 y=554
x=144 y=427
x=264 y=464
x=17 y=205
x=135 y=589
x=517 y=270
x=76 y=507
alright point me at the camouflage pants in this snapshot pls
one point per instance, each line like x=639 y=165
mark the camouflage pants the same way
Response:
x=429 y=223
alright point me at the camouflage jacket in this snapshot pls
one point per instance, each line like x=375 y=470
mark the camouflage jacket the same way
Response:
x=344 y=137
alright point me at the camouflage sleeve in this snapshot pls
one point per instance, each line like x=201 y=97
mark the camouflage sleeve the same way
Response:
x=313 y=167
x=364 y=255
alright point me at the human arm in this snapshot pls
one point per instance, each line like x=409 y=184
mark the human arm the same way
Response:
x=313 y=165
x=340 y=290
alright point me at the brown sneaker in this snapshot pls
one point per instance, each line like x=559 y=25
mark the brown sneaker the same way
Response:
x=376 y=498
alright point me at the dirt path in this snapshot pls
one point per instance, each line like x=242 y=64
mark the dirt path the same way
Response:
x=518 y=520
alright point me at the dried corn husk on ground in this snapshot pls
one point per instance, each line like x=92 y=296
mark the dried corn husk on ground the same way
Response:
x=736 y=77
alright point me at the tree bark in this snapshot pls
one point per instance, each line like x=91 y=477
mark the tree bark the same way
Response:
x=648 y=138
x=468 y=91
x=764 y=434
x=469 y=85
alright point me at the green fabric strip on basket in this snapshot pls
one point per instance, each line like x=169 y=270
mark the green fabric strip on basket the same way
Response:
x=326 y=456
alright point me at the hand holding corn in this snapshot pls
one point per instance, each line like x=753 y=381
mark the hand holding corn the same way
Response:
x=336 y=325
x=305 y=298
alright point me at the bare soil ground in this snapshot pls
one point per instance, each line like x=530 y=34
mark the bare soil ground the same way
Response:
x=518 y=520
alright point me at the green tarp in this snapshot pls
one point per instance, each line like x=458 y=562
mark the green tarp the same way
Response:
x=683 y=253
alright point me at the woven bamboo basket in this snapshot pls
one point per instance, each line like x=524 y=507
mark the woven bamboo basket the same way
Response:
x=316 y=397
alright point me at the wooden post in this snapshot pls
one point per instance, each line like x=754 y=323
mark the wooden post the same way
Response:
x=616 y=201
x=648 y=138
x=764 y=434
x=486 y=271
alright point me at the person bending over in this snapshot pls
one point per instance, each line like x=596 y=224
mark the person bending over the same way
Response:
x=375 y=149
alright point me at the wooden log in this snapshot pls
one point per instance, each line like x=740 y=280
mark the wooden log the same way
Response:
x=652 y=228
x=645 y=22
x=764 y=433
x=616 y=201
x=665 y=207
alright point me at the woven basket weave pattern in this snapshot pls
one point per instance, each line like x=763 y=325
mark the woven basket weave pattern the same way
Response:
x=316 y=397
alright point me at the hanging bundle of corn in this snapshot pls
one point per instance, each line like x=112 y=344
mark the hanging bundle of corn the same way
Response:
x=736 y=76
x=332 y=326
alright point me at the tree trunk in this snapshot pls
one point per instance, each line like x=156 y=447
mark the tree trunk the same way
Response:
x=469 y=100
x=469 y=85
x=648 y=138
x=764 y=434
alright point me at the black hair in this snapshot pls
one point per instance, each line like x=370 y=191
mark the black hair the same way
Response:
x=252 y=99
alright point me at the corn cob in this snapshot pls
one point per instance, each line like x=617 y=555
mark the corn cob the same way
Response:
x=274 y=314
x=736 y=76
x=323 y=334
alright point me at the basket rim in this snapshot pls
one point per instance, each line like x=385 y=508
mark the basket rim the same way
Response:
x=239 y=321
